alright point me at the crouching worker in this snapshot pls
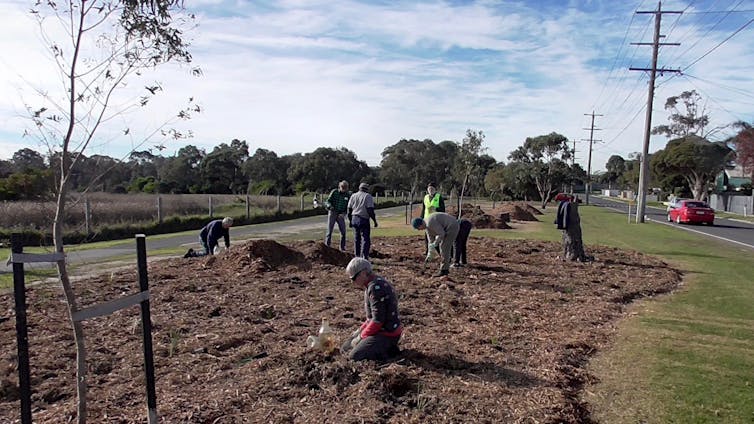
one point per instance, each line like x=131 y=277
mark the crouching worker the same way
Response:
x=377 y=338
x=210 y=235
x=442 y=229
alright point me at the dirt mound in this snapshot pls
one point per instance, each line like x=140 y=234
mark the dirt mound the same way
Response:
x=480 y=219
x=530 y=208
x=259 y=256
x=316 y=251
x=517 y=213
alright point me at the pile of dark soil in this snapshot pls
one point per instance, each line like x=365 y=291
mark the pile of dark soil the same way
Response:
x=505 y=339
x=480 y=219
x=519 y=212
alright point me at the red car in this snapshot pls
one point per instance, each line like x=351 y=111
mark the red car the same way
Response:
x=691 y=212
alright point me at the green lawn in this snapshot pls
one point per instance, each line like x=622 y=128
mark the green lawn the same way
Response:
x=686 y=357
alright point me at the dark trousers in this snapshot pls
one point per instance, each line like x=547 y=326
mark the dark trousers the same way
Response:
x=375 y=348
x=361 y=236
x=460 y=244
x=205 y=245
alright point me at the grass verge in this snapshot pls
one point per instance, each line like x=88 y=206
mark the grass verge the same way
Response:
x=686 y=357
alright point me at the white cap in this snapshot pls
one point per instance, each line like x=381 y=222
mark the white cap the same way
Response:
x=357 y=265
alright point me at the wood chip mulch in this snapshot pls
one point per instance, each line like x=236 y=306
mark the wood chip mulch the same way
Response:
x=505 y=339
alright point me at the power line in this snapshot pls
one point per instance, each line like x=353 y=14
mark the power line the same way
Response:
x=720 y=44
x=678 y=57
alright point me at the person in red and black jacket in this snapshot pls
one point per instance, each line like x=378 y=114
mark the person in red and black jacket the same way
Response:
x=377 y=338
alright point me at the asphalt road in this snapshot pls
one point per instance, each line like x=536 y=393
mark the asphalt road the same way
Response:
x=732 y=231
x=280 y=230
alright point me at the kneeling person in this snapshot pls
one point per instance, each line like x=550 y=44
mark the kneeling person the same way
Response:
x=377 y=338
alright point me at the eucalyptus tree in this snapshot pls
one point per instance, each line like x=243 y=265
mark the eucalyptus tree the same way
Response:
x=181 y=173
x=266 y=171
x=322 y=169
x=222 y=170
x=694 y=158
x=543 y=157
x=410 y=164
x=615 y=167
x=98 y=46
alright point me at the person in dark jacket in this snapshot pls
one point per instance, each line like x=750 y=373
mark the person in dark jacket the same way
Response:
x=378 y=336
x=210 y=236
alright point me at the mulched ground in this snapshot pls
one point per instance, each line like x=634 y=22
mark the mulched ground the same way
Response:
x=505 y=339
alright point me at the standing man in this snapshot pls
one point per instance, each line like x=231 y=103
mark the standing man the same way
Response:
x=360 y=209
x=433 y=202
x=210 y=235
x=442 y=229
x=337 y=207
x=377 y=338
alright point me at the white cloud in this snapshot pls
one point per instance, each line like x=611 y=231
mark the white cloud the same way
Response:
x=296 y=75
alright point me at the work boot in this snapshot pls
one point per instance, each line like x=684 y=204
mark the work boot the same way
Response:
x=189 y=254
x=442 y=273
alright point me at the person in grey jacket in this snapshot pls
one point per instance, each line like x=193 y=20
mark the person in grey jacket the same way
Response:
x=442 y=229
x=360 y=209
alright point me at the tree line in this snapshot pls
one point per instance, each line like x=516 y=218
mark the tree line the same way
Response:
x=535 y=169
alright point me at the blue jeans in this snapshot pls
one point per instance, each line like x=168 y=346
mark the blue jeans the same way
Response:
x=207 y=250
x=332 y=218
x=361 y=232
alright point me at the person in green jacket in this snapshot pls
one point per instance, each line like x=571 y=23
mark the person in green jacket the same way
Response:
x=337 y=207
x=433 y=202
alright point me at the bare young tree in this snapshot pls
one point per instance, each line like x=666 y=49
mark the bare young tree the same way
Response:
x=98 y=46
x=469 y=152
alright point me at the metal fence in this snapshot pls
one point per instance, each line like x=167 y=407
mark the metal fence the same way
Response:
x=733 y=203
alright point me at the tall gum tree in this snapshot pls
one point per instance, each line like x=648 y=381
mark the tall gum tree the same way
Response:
x=98 y=47
x=694 y=158
x=544 y=158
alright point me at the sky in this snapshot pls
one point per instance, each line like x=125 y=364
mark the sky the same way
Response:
x=294 y=75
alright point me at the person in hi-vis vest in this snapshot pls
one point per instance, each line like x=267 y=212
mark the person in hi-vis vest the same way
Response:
x=433 y=202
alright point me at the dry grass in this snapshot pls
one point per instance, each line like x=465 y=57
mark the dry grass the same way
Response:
x=110 y=209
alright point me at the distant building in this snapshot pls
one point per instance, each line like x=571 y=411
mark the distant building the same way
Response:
x=732 y=179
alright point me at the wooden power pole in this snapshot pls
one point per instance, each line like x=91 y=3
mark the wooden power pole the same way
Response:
x=644 y=164
x=589 y=161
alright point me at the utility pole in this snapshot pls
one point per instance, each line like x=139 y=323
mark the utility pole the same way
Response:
x=644 y=165
x=573 y=161
x=573 y=158
x=589 y=161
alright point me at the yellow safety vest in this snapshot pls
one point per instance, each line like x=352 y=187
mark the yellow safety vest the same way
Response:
x=431 y=205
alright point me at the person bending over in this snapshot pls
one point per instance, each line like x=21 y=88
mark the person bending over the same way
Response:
x=442 y=229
